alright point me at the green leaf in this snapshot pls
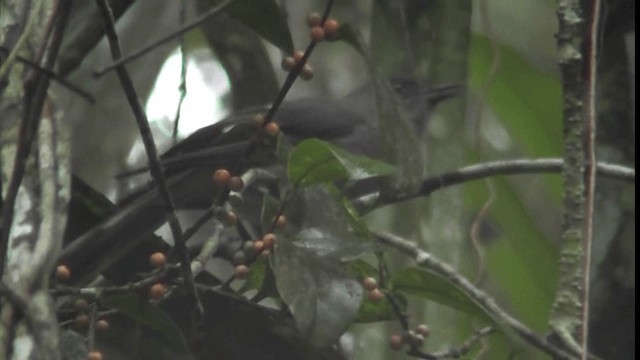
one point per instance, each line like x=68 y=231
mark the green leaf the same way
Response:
x=144 y=312
x=265 y=17
x=433 y=287
x=315 y=162
x=256 y=276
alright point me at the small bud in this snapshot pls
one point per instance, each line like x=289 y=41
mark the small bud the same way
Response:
x=258 y=245
x=297 y=55
x=248 y=247
x=230 y=218
x=258 y=119
x=264 y=254
x=80 y=304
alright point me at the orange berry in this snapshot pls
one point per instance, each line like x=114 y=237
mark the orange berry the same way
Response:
x=94 y=355
x=102 y=325
x=272 y=128
x=313 y=19
x=370 y=283
x=265 y=254
x=423 y=330
x=235 y=183
x=316 y=33
x=269 y=240
x=395 y=342
x=156 y=291
x=330 y=28
x=281 y=221
x=241 y=271
x=307 y=72
x=158 y=259
x=81 y=320
x=258 y=245
x=297 y=55
x=375 y=295
x=63 y=273
x=221 y=177
x=287 y=63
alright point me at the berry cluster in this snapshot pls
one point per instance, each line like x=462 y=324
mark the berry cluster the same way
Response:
x=413 y=338
x=371 y=285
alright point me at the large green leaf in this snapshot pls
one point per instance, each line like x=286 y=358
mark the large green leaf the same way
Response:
x=315 y=162
x=527 y=101
x=433 y=287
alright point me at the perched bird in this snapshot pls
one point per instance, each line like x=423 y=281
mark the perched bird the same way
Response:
x=350 y=122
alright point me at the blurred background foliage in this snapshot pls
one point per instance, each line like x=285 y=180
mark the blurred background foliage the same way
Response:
x=501 y=233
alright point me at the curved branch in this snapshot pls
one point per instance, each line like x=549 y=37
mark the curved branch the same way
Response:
x=429 y=262
x=506 y=167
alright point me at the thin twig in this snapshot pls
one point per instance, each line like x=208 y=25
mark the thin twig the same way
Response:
x=57 y=78
x=194 y=23
x=152 y=152
x=458 y=352
x=182 y=88
x=429 y=262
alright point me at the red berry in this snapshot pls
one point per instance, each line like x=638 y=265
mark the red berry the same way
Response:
x=313 y=19
x=331 y=27
x=297 y=55
x=231 y=218
x=395 y=342
x=317 y=33
x=370 y=283
x=269 y=240
x=272 y=128
x=158 y=259
x=221 y=177
x=63 y=273
x=375 y=295
x=156 y=291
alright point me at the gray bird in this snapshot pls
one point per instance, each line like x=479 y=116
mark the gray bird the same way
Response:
x=350 y=123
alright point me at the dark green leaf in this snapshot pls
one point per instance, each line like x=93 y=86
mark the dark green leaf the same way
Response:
x=315 y=162
x=265 y=17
